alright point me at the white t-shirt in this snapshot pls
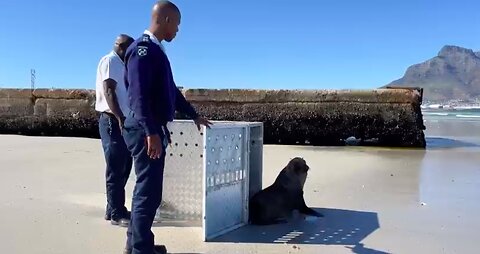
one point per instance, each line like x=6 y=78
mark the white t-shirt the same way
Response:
x=111 y=66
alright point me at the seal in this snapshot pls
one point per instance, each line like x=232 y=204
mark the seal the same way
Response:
x=277 y=202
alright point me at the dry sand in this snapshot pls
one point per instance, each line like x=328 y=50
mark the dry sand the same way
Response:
x=53 y=202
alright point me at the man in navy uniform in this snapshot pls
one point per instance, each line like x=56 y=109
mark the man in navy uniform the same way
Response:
x=153 y=99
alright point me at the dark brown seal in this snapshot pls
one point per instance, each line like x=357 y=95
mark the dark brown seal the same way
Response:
x=275 y=203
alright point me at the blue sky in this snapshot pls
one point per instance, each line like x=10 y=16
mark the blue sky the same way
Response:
x=304 y=44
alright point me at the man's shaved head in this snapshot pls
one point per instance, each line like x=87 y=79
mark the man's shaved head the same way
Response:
x=122 y=39
x=121 y=44
x=164 y=8
x=165 y=20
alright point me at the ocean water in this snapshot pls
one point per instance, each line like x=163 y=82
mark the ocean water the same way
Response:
x=450 y=114
x=452 y=128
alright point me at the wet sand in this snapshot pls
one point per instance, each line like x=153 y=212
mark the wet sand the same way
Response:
x=375 y=200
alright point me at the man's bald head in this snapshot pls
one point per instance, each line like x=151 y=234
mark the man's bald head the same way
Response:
x=123 y=38
x=121 y=44
x=164 y=8
x=165 y=20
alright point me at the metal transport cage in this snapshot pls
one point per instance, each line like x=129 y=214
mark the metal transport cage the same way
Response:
x=211 y=174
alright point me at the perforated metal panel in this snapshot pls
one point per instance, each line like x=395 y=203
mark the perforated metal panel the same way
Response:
x=182 y=185
x=207 y=175
x=226 y=178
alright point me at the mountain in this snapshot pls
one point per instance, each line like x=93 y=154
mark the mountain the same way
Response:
x=454 y=74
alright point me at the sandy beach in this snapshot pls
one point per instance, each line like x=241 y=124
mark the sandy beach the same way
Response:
x=375 y=200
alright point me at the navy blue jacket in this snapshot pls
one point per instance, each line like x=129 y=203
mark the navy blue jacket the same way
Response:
x=152 y=94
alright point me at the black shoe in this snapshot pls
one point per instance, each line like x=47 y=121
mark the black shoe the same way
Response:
x=157 y=249
x=122 y=222
x=160 y=249
x=108 y=216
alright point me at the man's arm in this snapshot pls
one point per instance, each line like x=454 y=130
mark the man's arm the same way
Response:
x=140 y=74
x=185 y=107
x=109 y=86
x=182 y=105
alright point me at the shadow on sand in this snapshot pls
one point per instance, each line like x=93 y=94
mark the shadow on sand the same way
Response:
x=338 y=227
x=178 y=224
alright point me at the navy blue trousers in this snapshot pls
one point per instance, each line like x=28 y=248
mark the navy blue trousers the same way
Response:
x=147 y=193
x=118 y=164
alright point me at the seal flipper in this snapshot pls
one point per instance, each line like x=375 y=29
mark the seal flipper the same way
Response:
x=310 y=211
x=303 y=208
x=268 y=222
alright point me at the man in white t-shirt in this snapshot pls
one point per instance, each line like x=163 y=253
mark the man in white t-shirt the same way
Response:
x=112 y=103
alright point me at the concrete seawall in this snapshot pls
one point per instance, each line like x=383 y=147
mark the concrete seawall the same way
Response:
x=390 y=117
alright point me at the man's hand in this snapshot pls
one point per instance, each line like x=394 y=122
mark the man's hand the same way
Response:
x=202 y=121
x=121 y=121
x=154 y=146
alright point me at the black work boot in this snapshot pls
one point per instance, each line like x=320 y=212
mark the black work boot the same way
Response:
x=157 y=249
x=108 y=214
x=122 y=222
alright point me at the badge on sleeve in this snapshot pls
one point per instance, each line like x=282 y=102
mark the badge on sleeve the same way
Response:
x=142 y=51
